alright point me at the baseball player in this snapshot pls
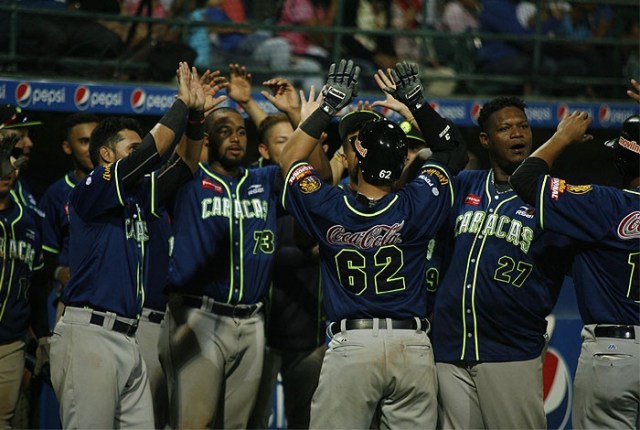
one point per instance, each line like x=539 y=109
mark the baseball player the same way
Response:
x=225 y=235
x=372 y=249
x=502 y=280
x=19 y=127
x=55 y=231
x=604 y=222
x=293 y=316
x=22 y=289
x=97 y=370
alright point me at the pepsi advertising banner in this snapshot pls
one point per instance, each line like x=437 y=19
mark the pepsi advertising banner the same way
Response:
x=136 y=99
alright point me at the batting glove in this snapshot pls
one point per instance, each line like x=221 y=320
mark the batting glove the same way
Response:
x=341 y=87
x=408 y=87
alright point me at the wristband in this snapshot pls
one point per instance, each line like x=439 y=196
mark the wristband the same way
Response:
x=316 y=123
x=195 y=125
x=174 y=118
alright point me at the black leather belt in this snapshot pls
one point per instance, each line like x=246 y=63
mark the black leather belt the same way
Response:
x=240 y=311
x=615 y=331
x=119 y=326
x=367 y=324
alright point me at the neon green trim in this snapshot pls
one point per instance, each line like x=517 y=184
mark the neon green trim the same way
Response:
x=541 y=200
x=354 y=210
x=68 y=181
x=50 y=249
x=115 y=178
x=153 y=196
x=237 y=196
x=13 y=261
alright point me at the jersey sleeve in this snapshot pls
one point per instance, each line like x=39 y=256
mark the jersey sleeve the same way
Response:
x=99 y=193
x=583 y=212
x=304 y=194
x=52 y=237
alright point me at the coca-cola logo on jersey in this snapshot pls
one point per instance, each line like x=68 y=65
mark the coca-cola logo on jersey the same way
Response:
x=629 y=227
x=378 y=235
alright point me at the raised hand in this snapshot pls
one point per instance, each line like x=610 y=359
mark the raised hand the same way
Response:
x=634 y=95
x=573 y=127
x=341 y=86
x=386 y=84
x=212 y=83
x=408 y=88
x=239 y=89
x=283 y=95
x=190 y=89
x=7 y=155
x=311 y=104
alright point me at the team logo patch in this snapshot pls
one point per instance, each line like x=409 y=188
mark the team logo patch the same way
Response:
x=441 y=177
x=629 y=227
x=208 y=184
x=299 y=173
x=30 y=234
x=255 y=189
x=629 y=144
x=106 y=175
x=310 y=184
x=579 y=189
x=472 y=200
x=558 y=186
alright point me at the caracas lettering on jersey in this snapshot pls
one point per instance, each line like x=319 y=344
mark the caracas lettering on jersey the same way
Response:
x=221 y=206
x=136 y=229
x=500 y=226
x=19 y=249
x=376 y=236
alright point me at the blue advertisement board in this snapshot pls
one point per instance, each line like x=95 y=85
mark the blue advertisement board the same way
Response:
x=144 y=99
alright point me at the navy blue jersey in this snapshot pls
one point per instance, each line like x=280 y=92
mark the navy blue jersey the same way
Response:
x=372 y=258
x=107 y=243
x=605 y=222
x=20 y=255
x=55 y=230
x=157 y=264
x=23 y=194
x=225 y=234
x=503 y=277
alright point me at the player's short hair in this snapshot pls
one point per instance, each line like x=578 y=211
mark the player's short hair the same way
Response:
x=106 y=134
x=269 y=122
x=77 y=119
x=497 y=104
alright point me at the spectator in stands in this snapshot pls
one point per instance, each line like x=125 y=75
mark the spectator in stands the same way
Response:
x=460 y=16
x=308 y=13
x=511 y=57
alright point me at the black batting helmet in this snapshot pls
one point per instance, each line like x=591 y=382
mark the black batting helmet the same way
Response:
x=627 y=148
x=381 y=149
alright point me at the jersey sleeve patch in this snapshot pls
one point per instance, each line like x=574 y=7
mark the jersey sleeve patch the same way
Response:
x=557 y=187
x=579 y=189
x=106 y=174
x=440 y=176
x=300 y=172
x=309 y=184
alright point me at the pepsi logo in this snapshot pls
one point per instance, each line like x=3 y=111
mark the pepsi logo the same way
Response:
x=557 y=388
x=137 y=100
x=23 y=94
x=434 y=105
x=604 y=114
x=562 y=110
x=475 y=110
x=82 y=97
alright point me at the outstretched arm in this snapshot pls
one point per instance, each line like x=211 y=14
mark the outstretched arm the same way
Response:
x=572 y=128
x=341 y=87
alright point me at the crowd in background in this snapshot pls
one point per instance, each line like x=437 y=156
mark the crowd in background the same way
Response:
x=580 y=40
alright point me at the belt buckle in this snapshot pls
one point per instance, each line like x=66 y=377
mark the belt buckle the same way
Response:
x=131 y=329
